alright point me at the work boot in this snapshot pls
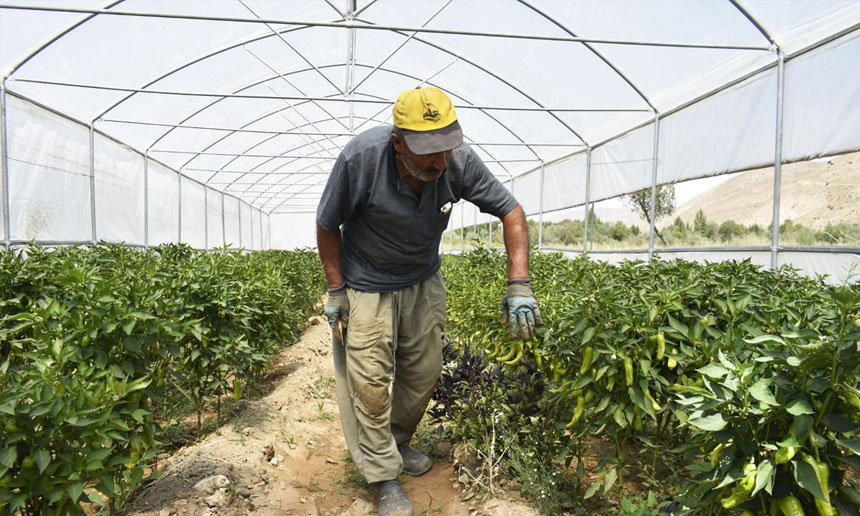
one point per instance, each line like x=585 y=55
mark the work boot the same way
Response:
x=415 y=463
x=392 y=499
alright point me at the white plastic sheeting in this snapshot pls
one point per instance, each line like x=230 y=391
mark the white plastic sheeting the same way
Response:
x=250 y=102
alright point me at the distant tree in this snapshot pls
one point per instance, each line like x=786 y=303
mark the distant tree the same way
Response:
x=640 y=202
x=700 y=223
x=619 y=231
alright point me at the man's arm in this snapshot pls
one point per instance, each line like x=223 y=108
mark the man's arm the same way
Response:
x=516 y=234
x=329 y=245
x=520 y=310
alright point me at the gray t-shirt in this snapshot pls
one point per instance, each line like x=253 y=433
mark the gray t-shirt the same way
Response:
x=390 y=235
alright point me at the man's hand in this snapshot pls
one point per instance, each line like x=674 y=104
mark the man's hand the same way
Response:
x=337 y=307
x=520 y=310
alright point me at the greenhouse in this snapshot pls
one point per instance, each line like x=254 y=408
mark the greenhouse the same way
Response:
x=690 y=167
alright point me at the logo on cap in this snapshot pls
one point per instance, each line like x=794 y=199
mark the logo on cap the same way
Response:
x=431 y=113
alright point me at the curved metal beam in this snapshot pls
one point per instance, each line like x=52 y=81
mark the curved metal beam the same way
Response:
x=56 y=37
x=600 y=56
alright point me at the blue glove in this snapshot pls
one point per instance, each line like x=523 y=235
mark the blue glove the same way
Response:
x=337 y=307
x=520 y=309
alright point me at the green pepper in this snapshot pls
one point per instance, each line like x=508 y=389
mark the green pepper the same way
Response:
x=628 y=371
x=587 y=355
x=589 y=396
x=656 y=406
x=715 y=455
x=736 y=496
x=790 y=506
x=577 y=412
x=822 y=472
x=670 y=362
x=784 y=454
x=661 y=345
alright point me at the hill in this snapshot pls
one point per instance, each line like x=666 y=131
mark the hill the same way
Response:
x=813 y=194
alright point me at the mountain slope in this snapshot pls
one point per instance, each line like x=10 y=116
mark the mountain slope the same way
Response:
x=813 y=194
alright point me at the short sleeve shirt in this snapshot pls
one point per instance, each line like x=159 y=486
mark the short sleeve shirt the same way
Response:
x=390 y=235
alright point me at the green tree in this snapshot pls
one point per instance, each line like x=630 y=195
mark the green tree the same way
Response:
x=640 y=202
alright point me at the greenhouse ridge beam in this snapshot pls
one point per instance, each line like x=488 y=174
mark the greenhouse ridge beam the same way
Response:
x=323 y=99
x=349 y=24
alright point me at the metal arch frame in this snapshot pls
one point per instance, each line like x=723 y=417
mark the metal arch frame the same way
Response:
x=55 y=38
x=599 y=55
x=279 y=34
x=95 y=131
x=387 y=102
x=350 y=24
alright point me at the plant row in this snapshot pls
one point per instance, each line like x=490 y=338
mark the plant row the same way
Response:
x=750 y=376
x=103 y=349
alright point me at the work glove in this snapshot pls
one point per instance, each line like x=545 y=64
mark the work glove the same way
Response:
x=337 y=307
x=520 y=310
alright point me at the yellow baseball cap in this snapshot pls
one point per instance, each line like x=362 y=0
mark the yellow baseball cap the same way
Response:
x=428 y=120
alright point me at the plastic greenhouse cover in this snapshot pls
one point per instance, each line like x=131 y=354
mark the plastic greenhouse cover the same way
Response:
x=255 y=98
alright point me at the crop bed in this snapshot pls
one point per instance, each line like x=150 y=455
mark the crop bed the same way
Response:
x=747 y=377
x=104 y=349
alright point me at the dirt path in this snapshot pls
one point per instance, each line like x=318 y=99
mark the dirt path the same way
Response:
x=285 y=455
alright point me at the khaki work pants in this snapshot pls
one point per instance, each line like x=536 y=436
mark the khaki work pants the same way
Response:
x=386 y=370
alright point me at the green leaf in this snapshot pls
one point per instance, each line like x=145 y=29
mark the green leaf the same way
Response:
x=128 y=326
x=611 y=477
x=678 y=326
x=851 y=444
x=715 y=371
x=763 y=477
x=806 y=478
x=839 y=423
x=592 y=489
x=587 y=336
x=713 y=423
x=759 y=391
x=42 y=458
x=8 y=456
x=798 y=407
x=75 y=491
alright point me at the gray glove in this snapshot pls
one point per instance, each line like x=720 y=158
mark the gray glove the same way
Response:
x=337 y=307
x=520 y=310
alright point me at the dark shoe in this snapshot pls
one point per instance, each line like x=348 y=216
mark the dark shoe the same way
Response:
x=415 y=463
x=392 y=500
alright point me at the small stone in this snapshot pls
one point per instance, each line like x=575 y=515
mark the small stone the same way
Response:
x=330 y=461
x=292 y=446
x=303 y=499
x=247 y=431
x=274 y=461
x=280 y=458
x=283 y=485
x=210 y=484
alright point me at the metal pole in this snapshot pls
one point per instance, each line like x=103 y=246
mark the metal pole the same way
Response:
x=4 y=164
x=146 y=199
x=205 y=217
x=93 y=182
x=462 y=230
x=540 y=209
x=262 y=245
x=223 y=223
x=587 y=216
x=239 y=209
x=653 y=216
x=179 y=183
x=777 y=160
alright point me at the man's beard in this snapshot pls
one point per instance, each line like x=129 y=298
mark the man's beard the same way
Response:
x=426 y=175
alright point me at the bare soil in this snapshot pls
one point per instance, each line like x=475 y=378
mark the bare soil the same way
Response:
x=284 y=454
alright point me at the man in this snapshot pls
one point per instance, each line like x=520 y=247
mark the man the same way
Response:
x=379 y=224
